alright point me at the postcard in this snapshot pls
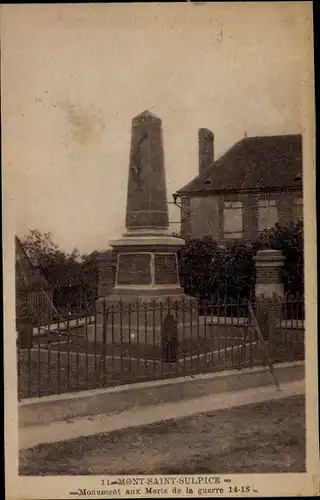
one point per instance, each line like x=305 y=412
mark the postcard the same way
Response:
x=159 y=250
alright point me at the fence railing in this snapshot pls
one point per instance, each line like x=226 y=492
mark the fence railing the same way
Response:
x=51 y=304
x=125 y=343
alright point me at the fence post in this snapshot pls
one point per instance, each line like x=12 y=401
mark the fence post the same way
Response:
x=25 y=330
x=169 y=341
x=268 y=290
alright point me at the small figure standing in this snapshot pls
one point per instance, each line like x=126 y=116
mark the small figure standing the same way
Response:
x=169 y=339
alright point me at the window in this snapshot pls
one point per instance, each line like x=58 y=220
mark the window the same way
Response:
x=232 y=219
x=267 y=213
x=298 y=209
x=204 y=214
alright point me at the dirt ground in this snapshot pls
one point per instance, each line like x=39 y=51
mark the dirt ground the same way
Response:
x=260 y=438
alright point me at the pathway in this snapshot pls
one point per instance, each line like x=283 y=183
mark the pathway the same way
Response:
x=88 y=426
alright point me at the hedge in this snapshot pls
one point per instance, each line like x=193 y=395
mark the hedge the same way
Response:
x=210 y=271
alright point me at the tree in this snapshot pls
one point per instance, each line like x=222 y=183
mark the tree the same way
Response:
x=74 y=277
x=57 y=266
x=195 y=266
x=41 y=249
x=89 y=275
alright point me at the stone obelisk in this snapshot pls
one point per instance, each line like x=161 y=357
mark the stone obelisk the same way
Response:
x=147 y=265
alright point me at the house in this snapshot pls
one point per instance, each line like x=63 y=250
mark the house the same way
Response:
x=253 y=185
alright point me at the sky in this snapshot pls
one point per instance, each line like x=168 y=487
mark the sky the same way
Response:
x=73 y=77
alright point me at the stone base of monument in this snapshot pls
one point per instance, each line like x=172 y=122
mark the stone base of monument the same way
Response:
x=151 y=320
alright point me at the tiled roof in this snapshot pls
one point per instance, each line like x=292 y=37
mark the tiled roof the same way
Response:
x=253 y=163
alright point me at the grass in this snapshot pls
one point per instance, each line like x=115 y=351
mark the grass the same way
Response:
x=261 y=438
x=43 y=372
x=69 y=363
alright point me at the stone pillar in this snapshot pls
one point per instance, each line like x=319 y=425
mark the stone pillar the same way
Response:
x=268 y=290
x=25 y=330
x=269 y=264
x=147 y=206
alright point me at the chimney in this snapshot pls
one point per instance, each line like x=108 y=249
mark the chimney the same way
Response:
x=206 y=149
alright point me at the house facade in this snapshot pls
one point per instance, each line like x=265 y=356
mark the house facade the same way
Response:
x=255 y=184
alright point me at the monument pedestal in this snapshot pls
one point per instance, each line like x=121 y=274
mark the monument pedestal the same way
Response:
x=143 y=319
x=147 y=291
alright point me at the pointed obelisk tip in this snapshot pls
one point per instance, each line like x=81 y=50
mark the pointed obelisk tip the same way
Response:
x=146 y=117
x=147 y=206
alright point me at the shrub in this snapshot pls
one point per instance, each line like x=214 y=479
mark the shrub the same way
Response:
x=210 y=271
x=288 y=239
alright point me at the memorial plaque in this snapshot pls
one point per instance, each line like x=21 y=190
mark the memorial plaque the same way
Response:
x=147 y=219
x=165 y=269
x=134 y=269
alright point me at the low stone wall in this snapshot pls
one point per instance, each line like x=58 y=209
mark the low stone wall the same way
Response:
x=41 y=411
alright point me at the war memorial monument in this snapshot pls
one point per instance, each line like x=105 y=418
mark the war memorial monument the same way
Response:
x=147 y=288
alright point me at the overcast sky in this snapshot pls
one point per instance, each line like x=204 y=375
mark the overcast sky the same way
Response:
x=73 y=76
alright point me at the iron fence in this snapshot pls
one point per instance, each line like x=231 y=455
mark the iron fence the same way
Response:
x=52 y=303
x=125 y=343
x=35 y=302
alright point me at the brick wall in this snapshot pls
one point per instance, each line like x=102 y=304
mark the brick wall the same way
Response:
x=200 y=219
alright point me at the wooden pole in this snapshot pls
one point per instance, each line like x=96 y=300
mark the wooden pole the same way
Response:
x=264 y=350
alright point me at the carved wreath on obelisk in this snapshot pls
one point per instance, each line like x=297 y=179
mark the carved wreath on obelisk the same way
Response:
x=136 y=163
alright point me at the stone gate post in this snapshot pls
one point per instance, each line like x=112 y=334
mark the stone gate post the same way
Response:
x=269 y=290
